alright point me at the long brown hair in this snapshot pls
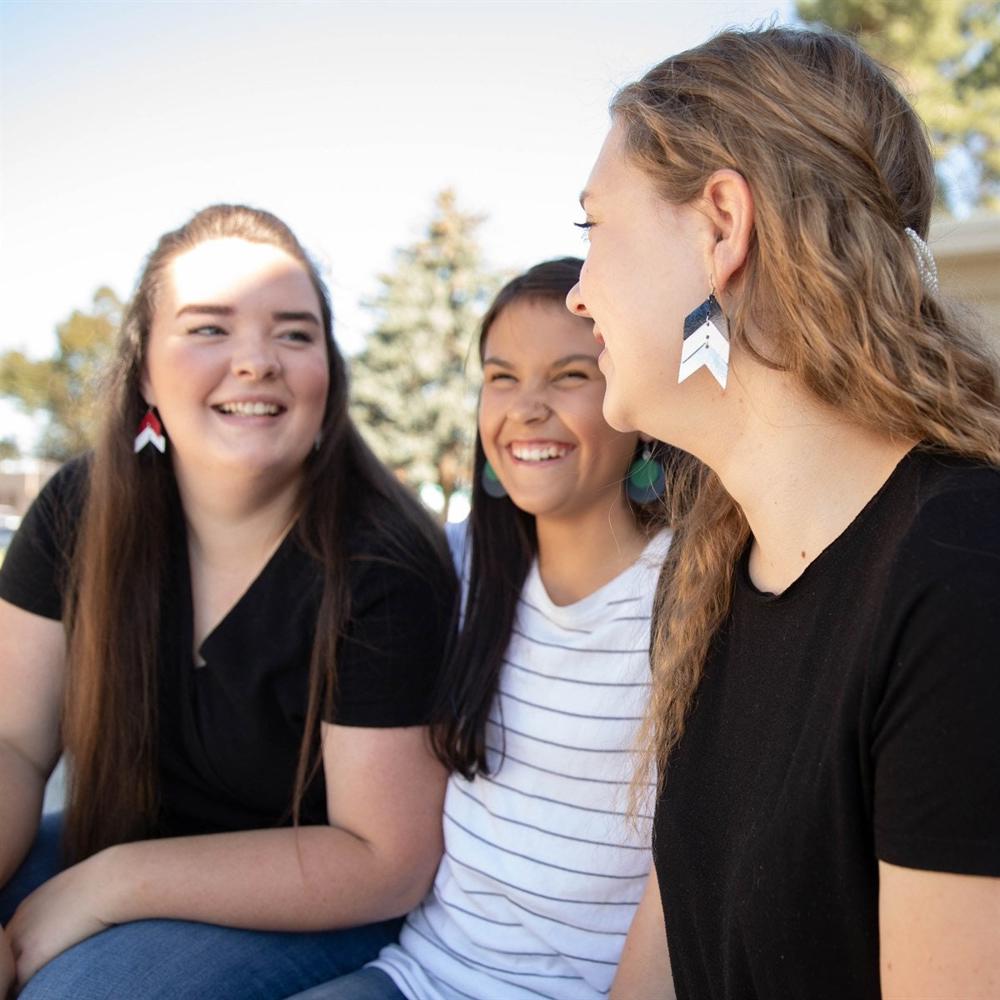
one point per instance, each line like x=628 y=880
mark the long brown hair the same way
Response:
x=121 y=557
x=839 y=166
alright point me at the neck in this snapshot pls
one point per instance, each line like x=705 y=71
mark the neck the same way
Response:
x=235 y=522
x=801 y=472
x=579 y=554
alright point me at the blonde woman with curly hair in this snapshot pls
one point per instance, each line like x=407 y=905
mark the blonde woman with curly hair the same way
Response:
x=826 y=654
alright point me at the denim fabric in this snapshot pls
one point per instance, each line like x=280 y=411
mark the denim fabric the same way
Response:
x=365 y=984
x=184 y=960
x=43 y=861
x=180 y=960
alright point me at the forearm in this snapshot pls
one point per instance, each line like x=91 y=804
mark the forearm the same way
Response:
x=644 y=969
x=22 y=787
x=312 y=878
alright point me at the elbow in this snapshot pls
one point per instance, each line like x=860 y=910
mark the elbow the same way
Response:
x=411 y=879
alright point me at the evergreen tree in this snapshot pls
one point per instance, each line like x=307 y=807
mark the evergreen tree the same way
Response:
x=412 y=395
x=948 y=53
x=66 y=386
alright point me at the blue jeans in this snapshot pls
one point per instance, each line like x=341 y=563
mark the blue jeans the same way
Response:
x=184 y=960
x=365 y=984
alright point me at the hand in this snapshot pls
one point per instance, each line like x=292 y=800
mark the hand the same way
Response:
x=7 y=969
x=65 y=910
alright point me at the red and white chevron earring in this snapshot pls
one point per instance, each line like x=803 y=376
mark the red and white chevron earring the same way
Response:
x=706 y=341
x=151 y=432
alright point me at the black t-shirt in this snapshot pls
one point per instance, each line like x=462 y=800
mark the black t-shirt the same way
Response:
x=852 y=718
x=230 y=731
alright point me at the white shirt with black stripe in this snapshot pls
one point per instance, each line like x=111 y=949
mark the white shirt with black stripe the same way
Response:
x=543 y=868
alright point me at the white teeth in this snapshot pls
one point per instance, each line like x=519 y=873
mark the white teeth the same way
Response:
x=249 y=409
x=536 y=453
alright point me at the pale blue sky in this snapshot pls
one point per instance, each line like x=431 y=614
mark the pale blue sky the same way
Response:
x=118 y=120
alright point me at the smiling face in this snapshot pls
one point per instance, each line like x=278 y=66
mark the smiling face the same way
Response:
x=540 y=418
x=236 y=361
x=648 y=265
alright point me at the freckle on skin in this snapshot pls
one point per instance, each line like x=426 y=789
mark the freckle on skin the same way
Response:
x=803 y=553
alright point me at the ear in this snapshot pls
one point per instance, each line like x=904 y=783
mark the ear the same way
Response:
x=145 y=389
x=728 y=202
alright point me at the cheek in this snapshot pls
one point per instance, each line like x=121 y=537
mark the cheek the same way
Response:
x=488 y=422
x=320 y=381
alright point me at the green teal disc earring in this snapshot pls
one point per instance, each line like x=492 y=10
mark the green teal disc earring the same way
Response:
x=646 y=480
x=491 y=483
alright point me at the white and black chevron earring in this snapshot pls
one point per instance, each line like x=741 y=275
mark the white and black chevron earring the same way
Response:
x=706 y=341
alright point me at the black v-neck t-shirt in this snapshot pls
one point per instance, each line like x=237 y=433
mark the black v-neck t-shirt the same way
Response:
x=852 y=718
x=230 y=730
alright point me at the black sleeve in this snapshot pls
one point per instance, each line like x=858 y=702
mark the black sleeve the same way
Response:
x=937 y=730
x=35 y=569
x=394 y=647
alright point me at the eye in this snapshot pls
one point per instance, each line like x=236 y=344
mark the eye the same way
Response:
x=207 y=331
x=574 y=375
x=586 y=227
x=495 y=377
x=298 y=336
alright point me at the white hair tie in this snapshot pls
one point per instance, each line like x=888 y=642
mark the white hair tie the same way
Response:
x=925 y=261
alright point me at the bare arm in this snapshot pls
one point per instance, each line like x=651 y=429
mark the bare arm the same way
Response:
x=644 y=970
x=939 y=934
x=376 y=859
x=32 y=673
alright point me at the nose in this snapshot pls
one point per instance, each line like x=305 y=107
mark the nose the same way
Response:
x=530 y=407
x=574 y=302
x=256 y=361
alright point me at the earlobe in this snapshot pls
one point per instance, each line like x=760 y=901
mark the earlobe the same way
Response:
x=728 y=202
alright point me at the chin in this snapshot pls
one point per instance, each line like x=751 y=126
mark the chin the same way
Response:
x=537 y=506
x=615 y=415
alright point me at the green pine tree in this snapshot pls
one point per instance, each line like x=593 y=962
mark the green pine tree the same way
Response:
x=66 y=387
x=948 y=54
x=412 y=395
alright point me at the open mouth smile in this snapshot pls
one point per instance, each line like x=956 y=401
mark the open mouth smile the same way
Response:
x=539 y=451
x=249 y=409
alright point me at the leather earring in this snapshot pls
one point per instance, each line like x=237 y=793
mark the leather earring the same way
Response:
x=706 y=341
x=491 y=482
x=646 y=480
x=150 y=432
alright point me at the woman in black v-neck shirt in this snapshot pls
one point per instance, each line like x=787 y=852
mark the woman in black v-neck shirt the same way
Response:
x=826 y=649
x=240 y=636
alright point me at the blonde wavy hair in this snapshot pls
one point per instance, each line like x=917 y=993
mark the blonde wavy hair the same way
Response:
x=839 y=166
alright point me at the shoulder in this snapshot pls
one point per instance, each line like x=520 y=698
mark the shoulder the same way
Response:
x=66 y=490
x=55 y=513
x=36 y=569
x=954 y=523
x=941 y=597
x=404 y=550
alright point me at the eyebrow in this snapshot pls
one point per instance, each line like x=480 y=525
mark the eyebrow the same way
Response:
x=569 y=359
x=296 y=317
x=206 y=310
x=200 y=309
